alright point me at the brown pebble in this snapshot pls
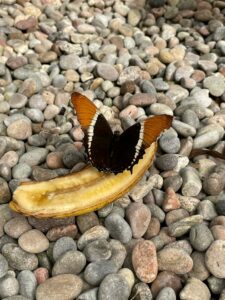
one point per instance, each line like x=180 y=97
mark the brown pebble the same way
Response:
x=20 y=129
x=219 y=220
x=41 y=275
x=54 y=160
x=176 y=215
x=46 y=224
x=142 y=99
x=166 y=279
x=215 y=258
x=171 y=201
x=60 y=231
x=198 y=75
x=195 y=289
x=174 y=260
x=87 y=221
x=15 y=62
x=153 y=228
x=16 y=226
x=218 y=232
x=127 y=87
x=27 y=23
x=144 y=261
x=138 y=216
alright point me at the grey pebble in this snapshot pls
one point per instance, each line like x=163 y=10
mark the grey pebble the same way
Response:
x=91 y=294
x=156 y=212
x=189 y=117
x=37 y=102
x=18 y=100
x=141 y=291
x=21 y=170
x=118 y=252
x=167 y=293
x=166 y=162
x=175 y=182
x=3 y=266
x=95 y=233
x=5 y=215
x=118 y=228
x=183 y=129
x=182 y=226
x=34 y=157
x=9 y=286
x=97 y=250
x=107 y=71
x=5 y=172
x=18 y=258
x=35 y=115
x=192 y=184
x=148 y=87
x=70 y=262
x=215 y=84
x=207 y=209
x=71 y=156
x=220 y=207
x=200 y=237
x=36 y=140
x=27 y=282
x=70 y=61
x=169 y=142
x=105 y=211
x=62 y=245
x=95 y=272
x=114 y=287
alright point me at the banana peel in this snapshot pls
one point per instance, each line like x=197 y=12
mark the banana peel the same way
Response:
x=77 y=193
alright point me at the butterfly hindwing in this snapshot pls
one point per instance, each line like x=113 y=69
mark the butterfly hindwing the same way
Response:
x=131 y=144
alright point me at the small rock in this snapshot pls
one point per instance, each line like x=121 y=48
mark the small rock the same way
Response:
x=199 y=269
x=171 y=200
x=87 y=221
x=113 y=287
x=9 y=286
x=195 y=289
x=20 y=129
x=174 y=260
x=107 y=71
x=62 y=245
x=200 y=237
x=144 y=261
x=215 y=84
x=66 y=286
x=3 y=266
x=65 y=230
x=5 y=194
x=215 y=259
x=33 y=241
x=71 y=262
x=142 y=99
x=181 y=227
x=41 y=274
x=27 y=282
x=17 y=226
x=95 y=233
x=118 y=227
x=97 y=250
x=166 y=293
x=95 y=272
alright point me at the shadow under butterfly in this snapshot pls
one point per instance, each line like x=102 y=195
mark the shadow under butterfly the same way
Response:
x=109 y=151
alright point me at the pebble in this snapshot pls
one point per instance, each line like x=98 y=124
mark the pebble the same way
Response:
x=33 y=241
x=195 y=289
x=18 y=258
x=28 y=283
x=70 y=262
x=17 y=100
x=5 y=194
x=169 y=142
x=97 y=250
x=215 y=85
x=191 y=182
x=218 y=232
x=142 y=99
x=65 y=230
x=9 y=286
x=107 y=71
x=214 y=258
x=95 y=272
x=200 y=237
x=89 y=295
x=20 y=129
x=16 y=227
x=199 y=269
x=174 y=260
x=166 y=293
x=144 y=261
x=34 y=157
x=95 y=233
x=65 y=286
x=207 y=209
x=182 y=226
x=141 y=291
x=166 y=162
x=118 y=252
x=87 y=221
x=166 y=279
x=3 y=266
x=113 y=287
x=5 y=215
x=70 y=62
x=62 y=245
x=41 y=274
x=216 y=285
x=220 y=207
x=138 y=216
x=118 y=228
x=171 y=200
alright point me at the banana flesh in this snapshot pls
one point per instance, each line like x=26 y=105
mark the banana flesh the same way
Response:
x=77 y=193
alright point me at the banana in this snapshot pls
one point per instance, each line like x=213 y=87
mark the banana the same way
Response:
x=77 y=193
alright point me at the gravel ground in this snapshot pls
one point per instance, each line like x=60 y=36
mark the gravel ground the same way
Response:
x=166 y=239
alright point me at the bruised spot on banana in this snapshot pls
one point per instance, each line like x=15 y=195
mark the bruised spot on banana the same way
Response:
x=77 y=193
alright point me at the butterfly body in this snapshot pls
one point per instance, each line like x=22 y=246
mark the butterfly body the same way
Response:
x=109 y=151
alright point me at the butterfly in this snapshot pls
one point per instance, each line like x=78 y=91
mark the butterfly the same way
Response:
x=110 y=151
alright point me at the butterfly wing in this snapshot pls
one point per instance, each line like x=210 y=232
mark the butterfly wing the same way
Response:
x=98 y=134
x=131 y=144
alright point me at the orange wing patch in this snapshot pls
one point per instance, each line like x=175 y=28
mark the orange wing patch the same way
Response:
x=154 y=126
x=85 y=109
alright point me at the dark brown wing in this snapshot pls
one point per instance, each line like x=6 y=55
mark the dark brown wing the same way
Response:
x=131 y=144
x=98 y=134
